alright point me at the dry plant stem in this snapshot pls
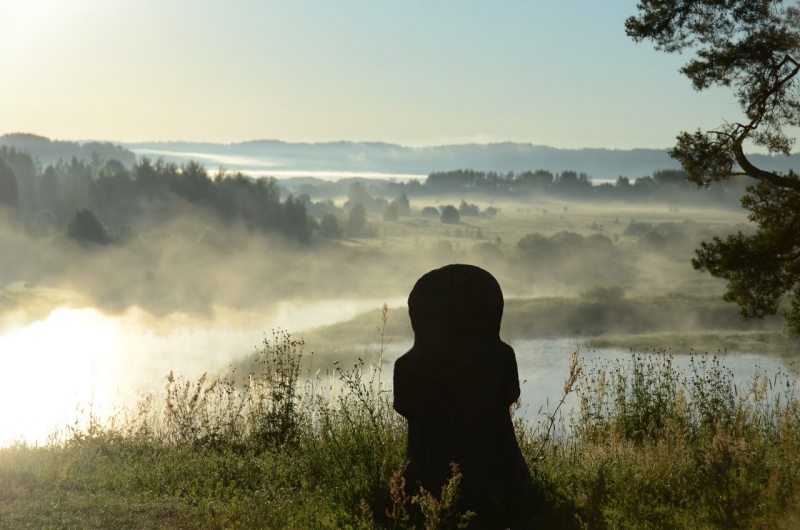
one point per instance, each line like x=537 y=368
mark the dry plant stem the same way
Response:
x=569 y=383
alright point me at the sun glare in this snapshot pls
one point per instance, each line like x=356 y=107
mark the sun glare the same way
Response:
x=51 y=370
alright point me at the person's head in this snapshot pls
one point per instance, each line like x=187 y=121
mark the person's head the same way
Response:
x=456 y=302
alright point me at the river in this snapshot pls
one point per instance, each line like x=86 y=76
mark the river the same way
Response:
x=53 y=370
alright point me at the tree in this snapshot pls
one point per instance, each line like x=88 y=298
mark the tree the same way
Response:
x=753 y=48
x=86 y=227
x=357 y=221
x=390 y=214
x=450 y=215
x=430 y=211
x=9 y=191
x=468 y=210
x=329 y=227
x=402 y=205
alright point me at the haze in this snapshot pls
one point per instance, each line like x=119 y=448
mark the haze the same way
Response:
x=124 y=258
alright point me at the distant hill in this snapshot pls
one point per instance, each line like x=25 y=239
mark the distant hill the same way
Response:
x=273 y=155
x=286 y=159
x=51 y=151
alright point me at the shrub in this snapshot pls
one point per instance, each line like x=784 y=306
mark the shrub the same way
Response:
x=636 y=229
x=402 y=204
x=430 y=211
x=329 y=227
x=450 y=215
x=86 y=227
x=357 y=225
x=490 y=212
x=390 y=214
x=468 y=210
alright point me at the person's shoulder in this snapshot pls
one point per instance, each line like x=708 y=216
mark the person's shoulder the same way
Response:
x=408 y=359
x=501 y=349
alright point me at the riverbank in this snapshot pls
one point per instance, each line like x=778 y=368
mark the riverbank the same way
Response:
x=706 y=323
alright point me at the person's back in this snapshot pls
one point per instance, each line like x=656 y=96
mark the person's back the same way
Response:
x=455 y=386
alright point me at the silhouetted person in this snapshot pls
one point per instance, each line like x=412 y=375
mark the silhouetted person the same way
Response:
x=455 y=387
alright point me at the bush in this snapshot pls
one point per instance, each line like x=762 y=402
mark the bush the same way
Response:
x=450 y=215
x=390 y=214
x=357 y=225
x=468 y=210
x=329 y=227
x=430 y=211
x=637 y=229
x=402 y=205
x=86 y=227
x=490 y=212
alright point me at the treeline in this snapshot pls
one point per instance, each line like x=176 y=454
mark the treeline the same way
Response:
x=48 y=151
x=663 y=185
x=79 y=194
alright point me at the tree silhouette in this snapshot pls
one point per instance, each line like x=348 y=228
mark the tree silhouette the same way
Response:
x=9 y=190
x=329 y=227
x=86 y=227
x=450 y=215
x=357 y=221
x=751 y=47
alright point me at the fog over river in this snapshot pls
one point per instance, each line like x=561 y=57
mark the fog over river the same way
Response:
x=53 y=369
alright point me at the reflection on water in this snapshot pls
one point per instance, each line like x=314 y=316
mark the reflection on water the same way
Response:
x=53 y=369
x=544 y=366
x=50 y=367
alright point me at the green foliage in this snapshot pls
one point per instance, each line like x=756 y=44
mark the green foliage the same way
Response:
x=86 y=227
x=430 y=211
x=761 y=268
x=650 y=446
x=390 y=214
x=749 y=47
x=402 y=205
x=26 y=169
x=157 y=193
x=329 y=227
x=9 y=192
x=745 y=45
x=443 y=513
x=357 y=225
x=449 y=215
x=654 y=447
x=468 y=210
x=637 y=229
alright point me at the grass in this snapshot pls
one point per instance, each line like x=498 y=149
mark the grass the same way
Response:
x=765 y=342
x=650 y=446
x=641 y=322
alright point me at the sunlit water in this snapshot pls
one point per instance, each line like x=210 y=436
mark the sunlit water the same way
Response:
x=51 y=371
x=543 y=367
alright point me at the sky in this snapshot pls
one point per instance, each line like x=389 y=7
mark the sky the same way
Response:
x=562 y=74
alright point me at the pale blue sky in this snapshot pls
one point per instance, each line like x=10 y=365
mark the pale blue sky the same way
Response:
x=411 y=72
